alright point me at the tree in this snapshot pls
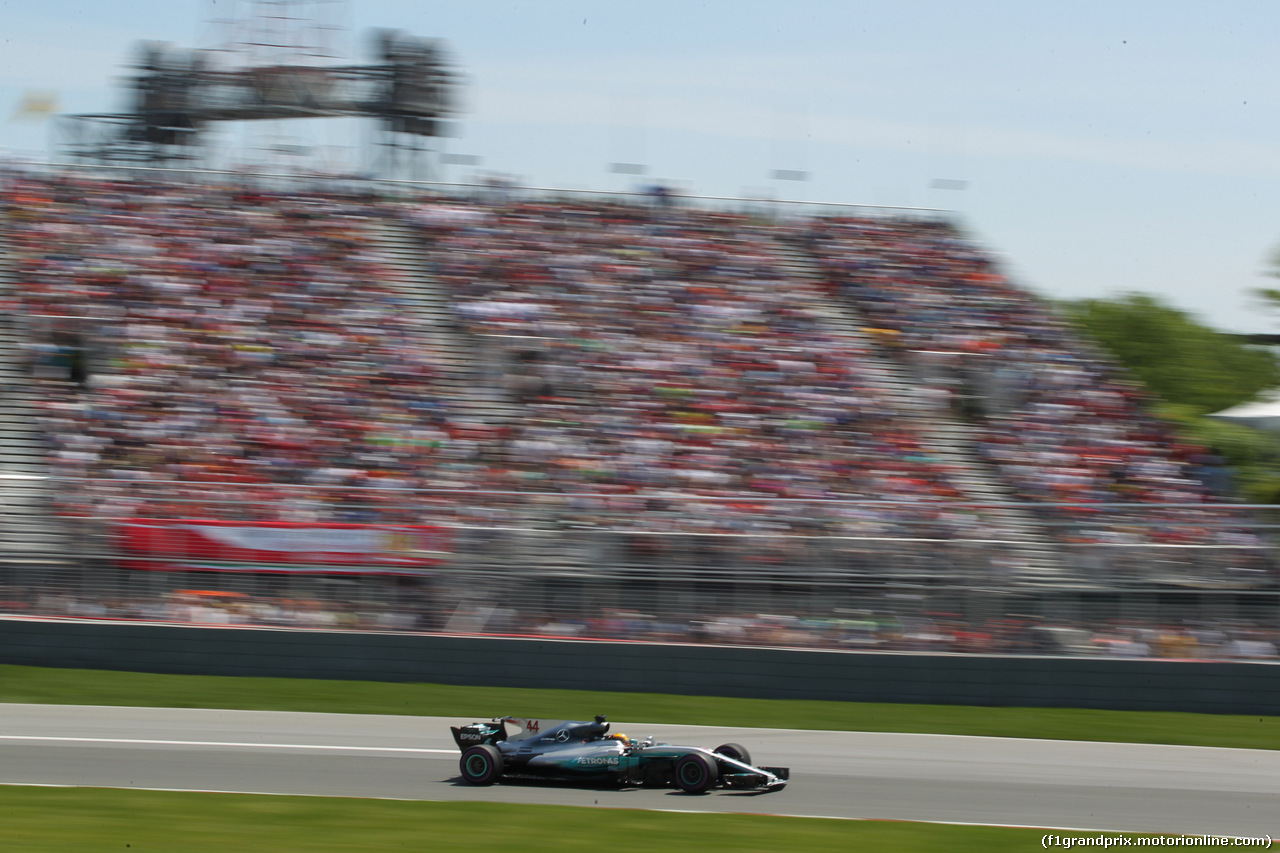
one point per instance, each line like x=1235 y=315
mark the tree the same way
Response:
x=1269 y=295
x=1196 y=371
x=1178 y=358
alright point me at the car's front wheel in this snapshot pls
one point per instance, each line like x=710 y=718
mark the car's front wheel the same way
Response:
x=695 y=773
x=736 y=751
x=481 y=764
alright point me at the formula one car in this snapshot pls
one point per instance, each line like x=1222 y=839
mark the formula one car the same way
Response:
x=558 y=749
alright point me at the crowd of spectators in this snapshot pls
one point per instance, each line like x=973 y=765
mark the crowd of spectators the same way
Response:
x=677 y=356
x=238 y=336
x=1062 y=425
x=255 y=338
x=669 y=370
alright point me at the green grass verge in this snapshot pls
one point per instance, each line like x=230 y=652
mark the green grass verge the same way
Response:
x=92 y=819
x=97 y=687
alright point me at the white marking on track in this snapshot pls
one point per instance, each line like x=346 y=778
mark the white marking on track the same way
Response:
x=217 y=743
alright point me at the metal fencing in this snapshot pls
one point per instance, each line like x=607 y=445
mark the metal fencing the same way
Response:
x=555 y=564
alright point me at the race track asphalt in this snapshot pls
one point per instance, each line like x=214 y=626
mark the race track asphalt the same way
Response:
x=1041 y=783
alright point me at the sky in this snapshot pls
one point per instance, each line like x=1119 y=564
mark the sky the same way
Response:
x=1095 y=148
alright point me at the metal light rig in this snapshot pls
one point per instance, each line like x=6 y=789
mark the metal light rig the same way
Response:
x=177 y=94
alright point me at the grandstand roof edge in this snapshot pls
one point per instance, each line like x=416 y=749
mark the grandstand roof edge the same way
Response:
x=467 y=186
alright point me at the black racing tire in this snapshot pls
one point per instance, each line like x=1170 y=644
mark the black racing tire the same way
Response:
x=736 y=751
x=696 y=773
x=481 y=764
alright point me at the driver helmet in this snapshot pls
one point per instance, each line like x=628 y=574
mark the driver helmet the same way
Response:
x=620 y=736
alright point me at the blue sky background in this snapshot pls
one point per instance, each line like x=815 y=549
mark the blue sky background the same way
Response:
x=1106 y=146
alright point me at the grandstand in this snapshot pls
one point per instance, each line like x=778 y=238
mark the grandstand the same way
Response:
x=680 y=414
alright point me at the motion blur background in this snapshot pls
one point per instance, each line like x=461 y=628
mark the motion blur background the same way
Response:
x=724 y=324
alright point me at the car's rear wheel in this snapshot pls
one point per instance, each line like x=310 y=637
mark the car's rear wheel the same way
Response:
x=481 y=764
x=695 y=773
x=736 y=751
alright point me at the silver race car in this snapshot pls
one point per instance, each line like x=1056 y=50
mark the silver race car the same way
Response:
x=560 y=749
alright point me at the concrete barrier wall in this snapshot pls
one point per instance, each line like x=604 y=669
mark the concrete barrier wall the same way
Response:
x=1235 y=688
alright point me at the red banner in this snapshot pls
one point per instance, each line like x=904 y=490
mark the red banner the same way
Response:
x=280 y=546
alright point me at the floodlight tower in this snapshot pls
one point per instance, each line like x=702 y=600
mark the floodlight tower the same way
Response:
x=419 y=97
x=162 y=126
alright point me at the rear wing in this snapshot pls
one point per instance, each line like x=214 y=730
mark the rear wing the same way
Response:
x=476 y=733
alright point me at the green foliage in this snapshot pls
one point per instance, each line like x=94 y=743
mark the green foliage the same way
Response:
x=1195 y=370
x=1176 y=357
x=1270 y=296
x=1243 y=445
x=1253 y=454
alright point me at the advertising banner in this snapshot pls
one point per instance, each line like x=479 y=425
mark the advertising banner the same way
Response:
x=278 y=546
